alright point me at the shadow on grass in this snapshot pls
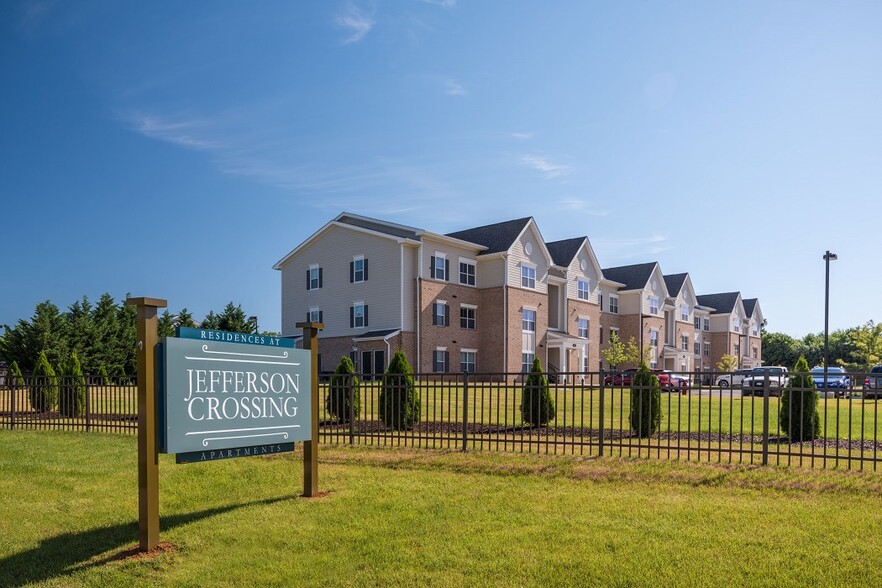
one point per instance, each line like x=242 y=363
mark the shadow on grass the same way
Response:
x=68 y=553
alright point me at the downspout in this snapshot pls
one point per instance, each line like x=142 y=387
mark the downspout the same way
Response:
x=419 y=307
x=505 y=316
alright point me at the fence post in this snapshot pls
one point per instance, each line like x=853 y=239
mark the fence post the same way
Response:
x=465 y=411
x=766 y=419
x=14 y=394
x=350 y=377
x=88 y=410
x=602 y=416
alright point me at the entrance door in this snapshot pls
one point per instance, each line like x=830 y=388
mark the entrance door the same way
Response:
x=379 y=362
x=367 y=365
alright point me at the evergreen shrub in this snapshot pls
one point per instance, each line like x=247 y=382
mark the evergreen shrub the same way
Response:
x=72 y=393
x=399 y=403
x=537 y=406
x=44 y=386
x=343 y=391
x=798 y=414
x=645 y=413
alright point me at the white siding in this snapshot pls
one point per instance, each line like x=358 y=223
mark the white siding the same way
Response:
x=536 y=258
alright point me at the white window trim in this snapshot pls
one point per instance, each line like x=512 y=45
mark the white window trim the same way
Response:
x=532 y=266
x=610 y=304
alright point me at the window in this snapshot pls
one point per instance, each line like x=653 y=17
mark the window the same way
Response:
x=358 y=270
x=314 y=315
x=614 y=304
x=697 y=322
x=358 y=315
x=653 y=338
x=684 y=312
x=583 y=328
x=440 y=314
x=754 y=329
x=706 y=324
x=466 y=272
x=653 y=364
x=737 y=349
x=313 y=277
x=528 y=276
x=583 y=289
x=440 y=360
x=684 y=342
x=528 y=320
x=467 y=317
x=755 y=353
x=736 y=324
x=653 y=305
x=697 y=349
x=526 y=362
x=440 y=266
x=706 y=349
x=467 y=361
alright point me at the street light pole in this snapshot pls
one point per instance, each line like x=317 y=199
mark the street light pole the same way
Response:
x=828 y=257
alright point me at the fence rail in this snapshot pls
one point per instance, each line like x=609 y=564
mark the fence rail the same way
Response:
x=593 y=415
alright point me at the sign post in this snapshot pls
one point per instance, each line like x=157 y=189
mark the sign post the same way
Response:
x=310 y=448
x=148 y=456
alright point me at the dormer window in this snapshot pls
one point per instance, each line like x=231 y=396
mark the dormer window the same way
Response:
x=653 y=305
x=584 y=289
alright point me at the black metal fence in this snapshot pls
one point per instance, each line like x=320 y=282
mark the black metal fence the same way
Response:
x=70 y=403
x=593 y=414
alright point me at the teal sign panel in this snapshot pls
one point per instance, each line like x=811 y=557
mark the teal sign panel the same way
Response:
x=217 y=395
x=211 y=335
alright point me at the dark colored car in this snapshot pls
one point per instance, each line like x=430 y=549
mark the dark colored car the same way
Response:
x=837 y=380
x=623 y=378
x=873 y=382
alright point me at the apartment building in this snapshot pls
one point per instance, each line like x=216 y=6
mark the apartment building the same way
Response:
x=485 y=299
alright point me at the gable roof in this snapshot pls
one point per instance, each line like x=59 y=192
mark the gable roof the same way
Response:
x=674 y=283
x=749 y=305
x=497 y=237
x=634 y=277
x=723 y=303
x=563 y=252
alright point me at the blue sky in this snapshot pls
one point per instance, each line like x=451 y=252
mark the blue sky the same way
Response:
x=179 y=149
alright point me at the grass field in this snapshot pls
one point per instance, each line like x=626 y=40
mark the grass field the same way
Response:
x=415 y=518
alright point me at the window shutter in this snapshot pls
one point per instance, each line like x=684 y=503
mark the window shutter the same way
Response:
x=447 y=270
x=308 y=316
x=320 y=277
x=365 y=279
x=432 y=267
x=446 y=315
x=365 y=306
x=351 y=317
x=321 y=316
x=307 y=279
x=351 y=271
x=446 y=361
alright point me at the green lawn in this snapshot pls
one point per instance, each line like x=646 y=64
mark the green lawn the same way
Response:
x=415 y=518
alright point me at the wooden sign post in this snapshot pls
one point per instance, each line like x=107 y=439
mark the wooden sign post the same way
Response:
x=310 y=448
x=148 y=455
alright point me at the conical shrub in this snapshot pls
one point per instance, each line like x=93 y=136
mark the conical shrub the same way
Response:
x=72 y=393
x=798 y=414
x=645 y=413
x=44 y=386
x=399 y=403
x=537 y=406
x=344 y=397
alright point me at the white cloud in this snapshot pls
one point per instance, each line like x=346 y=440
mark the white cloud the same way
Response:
x=186 y=132
x=357 y=21
x=522 y=136
x=35 y=11
x=583 y=206
x=617 y=249
x=442 y=3
x=545 y=165
x=454 y=88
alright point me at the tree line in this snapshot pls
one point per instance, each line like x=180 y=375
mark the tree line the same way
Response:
x=855 y=349
x=101 y=335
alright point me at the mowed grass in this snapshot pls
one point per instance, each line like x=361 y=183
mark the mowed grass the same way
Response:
x=425 y=518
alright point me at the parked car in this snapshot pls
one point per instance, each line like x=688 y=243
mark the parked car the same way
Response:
x=754 y=384
x=734 y=378
x=873 y=382
x=623 y=378
x=681 y=381
x=669 y=381
x=837 y=380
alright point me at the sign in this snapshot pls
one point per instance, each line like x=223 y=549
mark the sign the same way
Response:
x=251 y=450
x=219 y=392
